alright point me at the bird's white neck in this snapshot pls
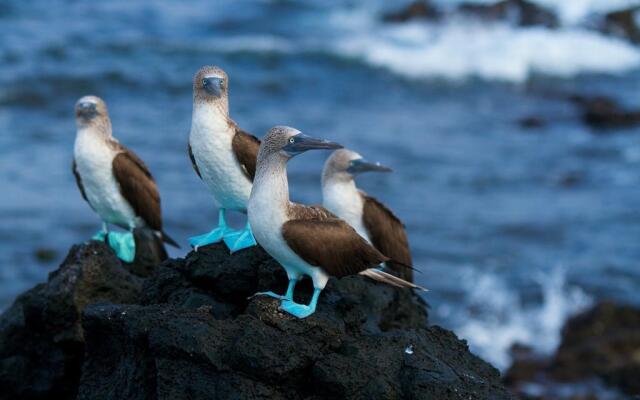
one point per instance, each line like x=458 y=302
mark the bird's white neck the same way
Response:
x=270 y=185
x=342 y=197
x=208 y=117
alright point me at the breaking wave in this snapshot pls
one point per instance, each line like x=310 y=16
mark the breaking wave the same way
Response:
x=505 y=320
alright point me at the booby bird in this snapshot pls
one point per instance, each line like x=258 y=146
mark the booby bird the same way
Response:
x=223 y=156
x=369 y=217
x=113 y=180
x=305 y=240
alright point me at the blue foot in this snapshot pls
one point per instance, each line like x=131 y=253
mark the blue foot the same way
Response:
x=240 y=240
x=297 y=310
x=123 y=244
x=287 y=296
x=270 y=294
x=99 y=236
x=214 y=236
x=300 y=310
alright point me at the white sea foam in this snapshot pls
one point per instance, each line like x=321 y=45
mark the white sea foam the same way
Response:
x=461 y=49
x=500 y=319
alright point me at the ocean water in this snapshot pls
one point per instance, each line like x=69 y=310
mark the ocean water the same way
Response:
x=513 y=229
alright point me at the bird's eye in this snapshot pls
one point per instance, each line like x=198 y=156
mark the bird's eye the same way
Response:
x=204 y=82
x=291 y=140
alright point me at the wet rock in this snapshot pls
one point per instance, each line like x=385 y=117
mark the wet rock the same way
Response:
x=196 y=332
x=416 y=10
x=602 y=342
x=527 y=366
x=599 y=357
x=517 y=12
x=605 y=113
x=45 y=255
x=532 y=122
x=41 y=336
x=623 y=23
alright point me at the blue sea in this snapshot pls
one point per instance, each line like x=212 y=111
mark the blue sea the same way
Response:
x=514 y=229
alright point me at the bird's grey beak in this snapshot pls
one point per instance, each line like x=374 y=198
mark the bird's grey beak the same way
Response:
x=87 y=109
x=361 y=165
x=213 y=85
x=300 y=143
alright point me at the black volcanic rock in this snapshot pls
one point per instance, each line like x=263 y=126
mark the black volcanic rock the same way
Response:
x=195 y=333
x=604 y=112
x=603 y=342
x=41 y=337
x=600 y=348
x=517 y=12
x=623 y=23
x=419 y=9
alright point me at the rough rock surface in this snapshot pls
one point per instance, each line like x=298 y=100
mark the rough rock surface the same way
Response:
x=194 y=333
x=41 y=336
x=600 y=347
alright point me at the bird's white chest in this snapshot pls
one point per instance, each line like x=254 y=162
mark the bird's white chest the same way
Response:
x=344 y=200
x=94 y=159
x=211 y=144
x=267 y=214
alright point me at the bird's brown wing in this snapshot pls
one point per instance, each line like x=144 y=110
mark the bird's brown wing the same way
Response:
x=138 y=187
x=193 y=162
x=388 y=235
x=245 y=147
x=74 y=168
x=331 y=244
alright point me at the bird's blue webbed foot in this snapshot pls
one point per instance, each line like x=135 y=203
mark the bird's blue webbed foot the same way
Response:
x=101 y=235
x=124 y=245
x=215 y=236
x=301 y=310
x=239 y=240
x=287 y=296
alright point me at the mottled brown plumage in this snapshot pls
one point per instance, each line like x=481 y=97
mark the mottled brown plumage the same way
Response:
x=388 y=235
x=245 y=147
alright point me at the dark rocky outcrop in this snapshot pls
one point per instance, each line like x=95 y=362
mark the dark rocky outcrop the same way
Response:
x=191 y=331
x=517 y=12
x=623 y=23
x=41 y=336
x=419 y=9
x=603 y=342
x=603 y=112
x=599 y=347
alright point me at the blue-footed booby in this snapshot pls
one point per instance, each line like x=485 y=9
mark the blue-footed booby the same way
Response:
x=113 y=180
x=305 y=240
x=223 y=156
x=369 y=217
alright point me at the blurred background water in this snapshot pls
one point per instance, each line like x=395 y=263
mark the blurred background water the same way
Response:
x=514 y=228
